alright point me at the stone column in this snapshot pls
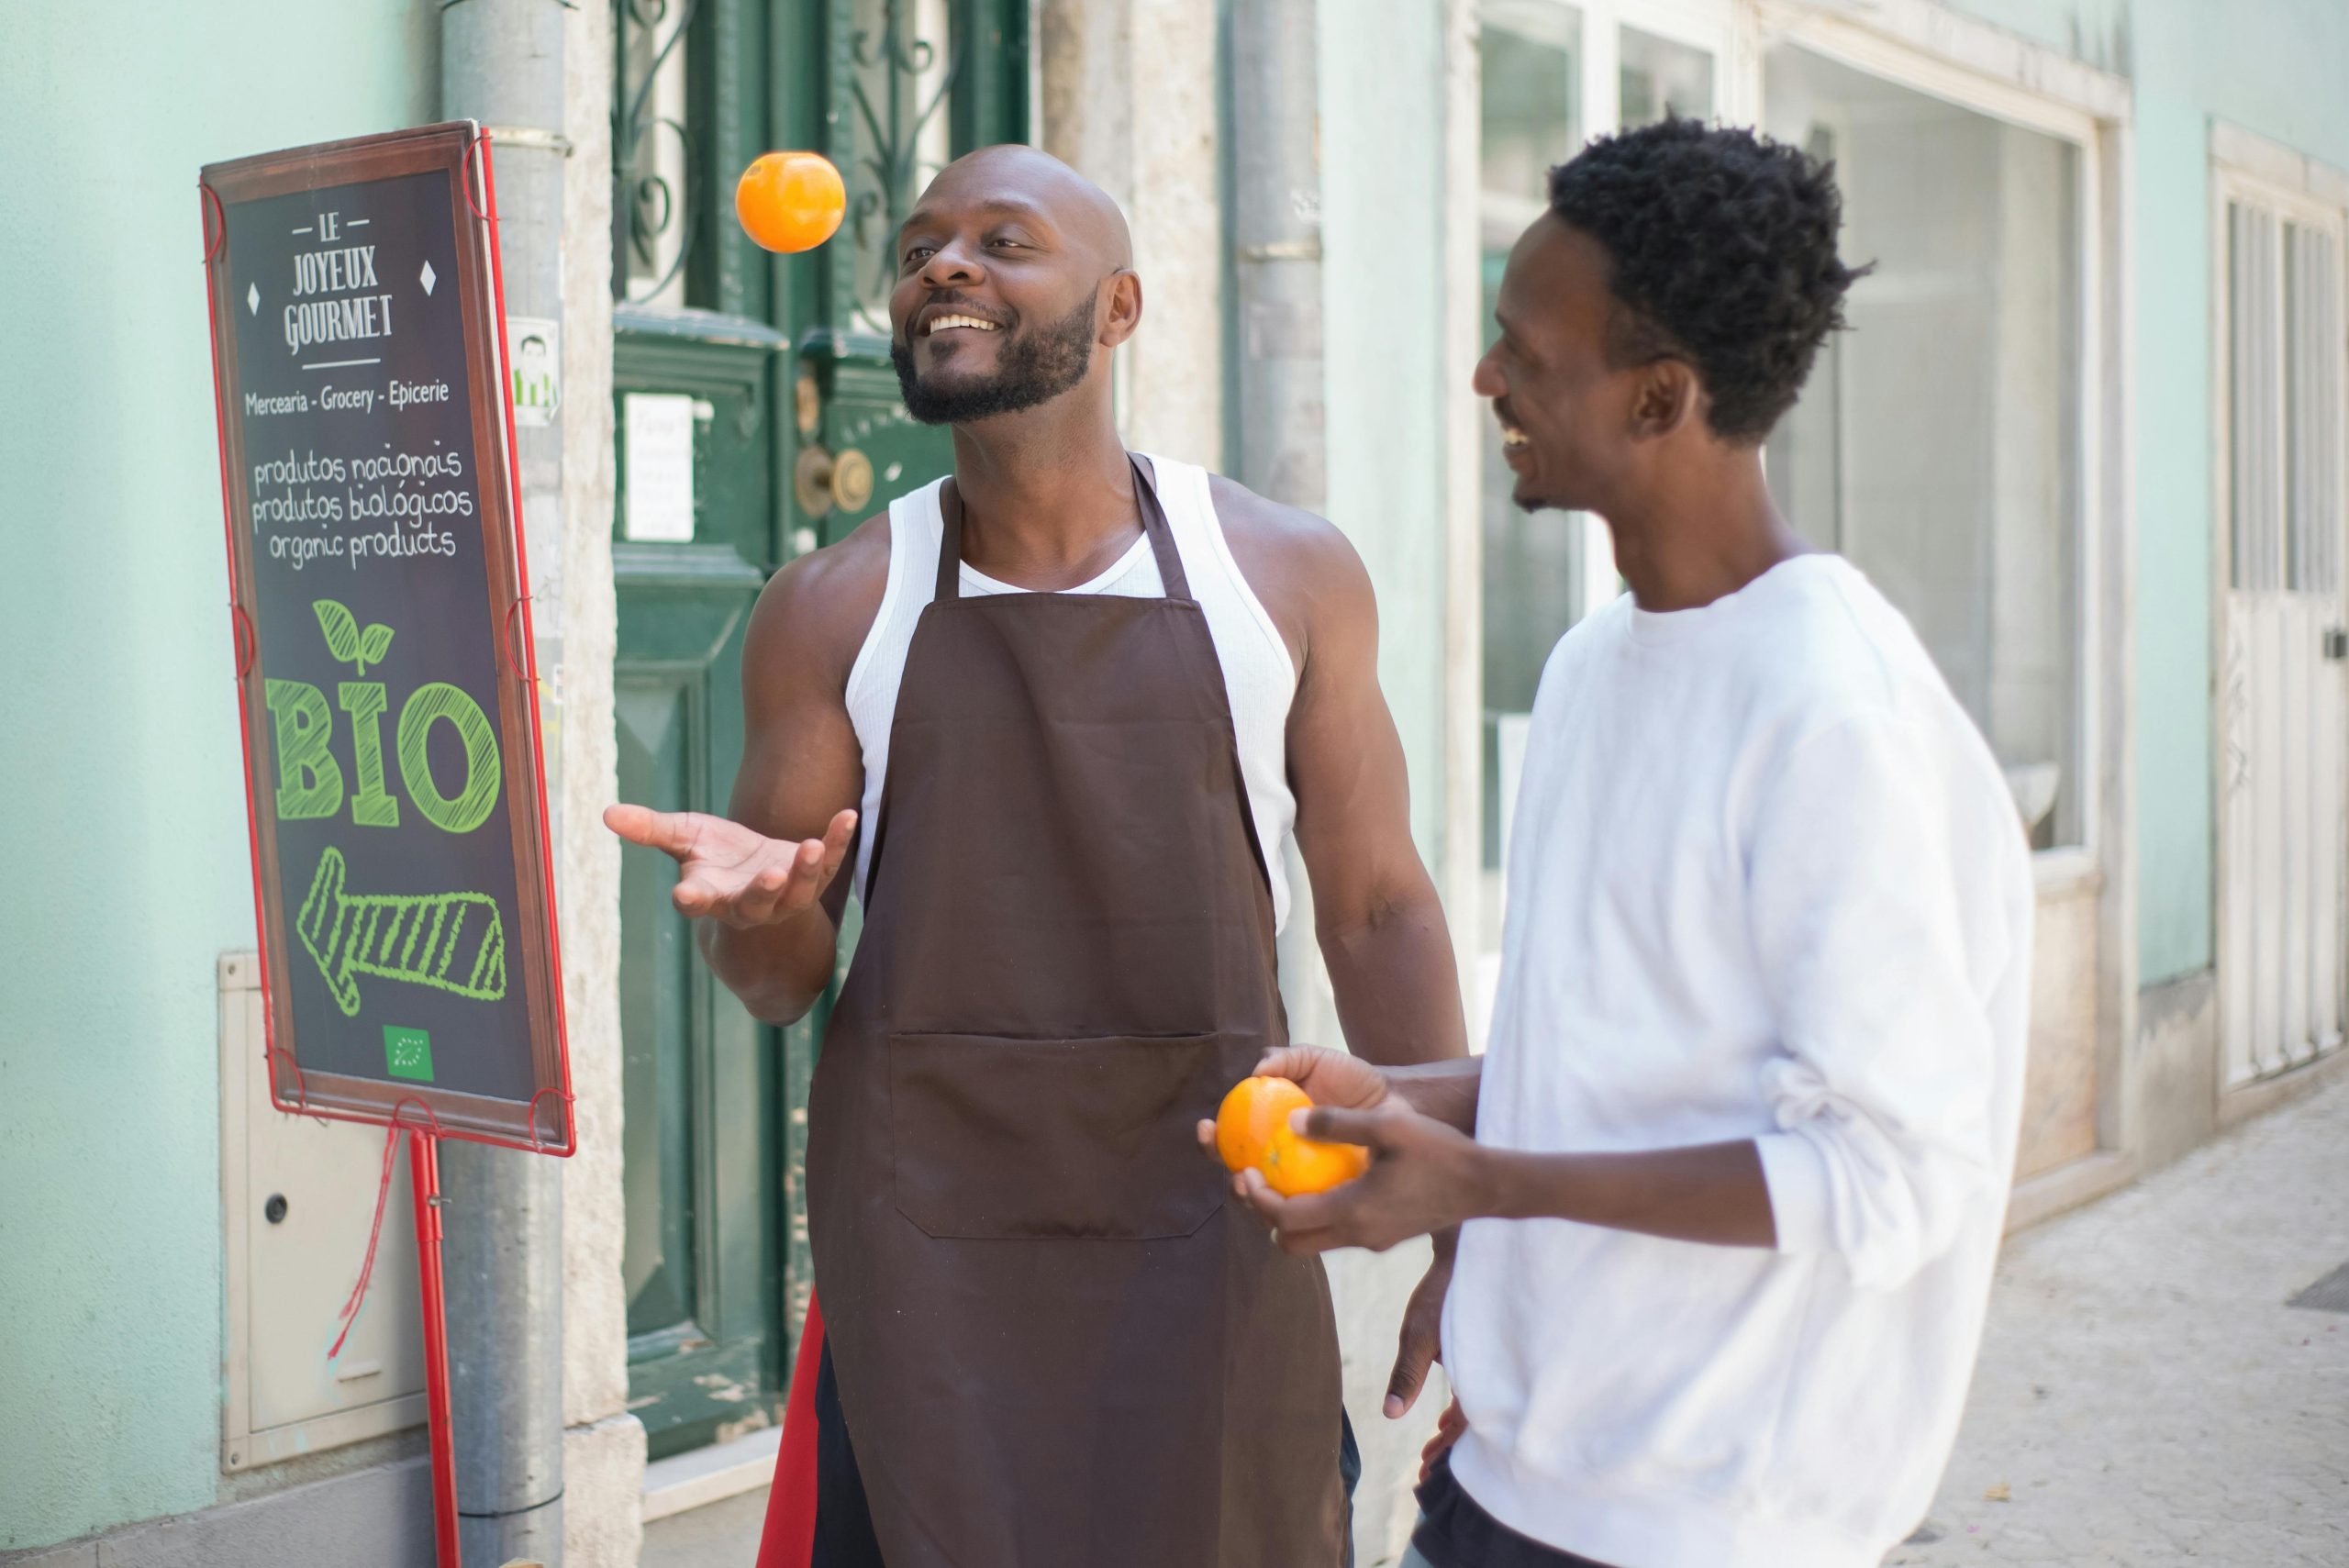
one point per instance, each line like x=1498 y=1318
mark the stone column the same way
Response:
x=603 y=1443
x=1129 y=98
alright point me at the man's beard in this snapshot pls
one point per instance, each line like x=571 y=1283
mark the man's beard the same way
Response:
x=1034 y=369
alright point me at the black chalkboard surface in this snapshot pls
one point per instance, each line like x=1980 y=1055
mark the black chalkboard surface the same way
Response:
x=390 y=736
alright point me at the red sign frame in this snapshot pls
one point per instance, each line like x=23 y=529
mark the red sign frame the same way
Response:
x=544 y=1122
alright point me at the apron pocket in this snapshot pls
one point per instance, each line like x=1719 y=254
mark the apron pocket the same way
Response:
x=999 y=1138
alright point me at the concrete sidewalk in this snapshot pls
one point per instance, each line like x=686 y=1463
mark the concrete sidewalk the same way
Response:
x=2146 y=1397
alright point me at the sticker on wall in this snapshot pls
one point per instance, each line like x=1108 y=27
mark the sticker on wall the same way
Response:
x=534 y=350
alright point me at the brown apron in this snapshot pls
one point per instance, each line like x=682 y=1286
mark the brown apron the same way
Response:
x=1060 y=1342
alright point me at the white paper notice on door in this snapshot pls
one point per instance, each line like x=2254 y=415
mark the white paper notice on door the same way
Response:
x=660 y=453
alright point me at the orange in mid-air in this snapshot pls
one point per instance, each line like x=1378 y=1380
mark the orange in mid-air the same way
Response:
x=790 y=201
x=1251 y=1130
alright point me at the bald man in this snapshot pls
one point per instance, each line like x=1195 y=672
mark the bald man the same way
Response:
x=1056 y=719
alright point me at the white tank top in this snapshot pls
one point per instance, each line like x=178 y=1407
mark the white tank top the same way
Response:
x=1258 y=676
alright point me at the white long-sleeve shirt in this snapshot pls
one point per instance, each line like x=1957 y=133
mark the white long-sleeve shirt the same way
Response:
x=1765 y=882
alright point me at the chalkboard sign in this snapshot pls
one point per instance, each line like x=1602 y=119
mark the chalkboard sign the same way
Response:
x=392 y=752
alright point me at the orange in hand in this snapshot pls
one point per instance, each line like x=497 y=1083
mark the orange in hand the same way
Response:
x=790 y=201
x=1251 y=1130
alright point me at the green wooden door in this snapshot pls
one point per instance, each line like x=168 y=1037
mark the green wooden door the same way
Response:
x=757 y=417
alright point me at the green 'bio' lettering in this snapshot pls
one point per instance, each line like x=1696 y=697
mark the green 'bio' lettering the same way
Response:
x=309 y=781
x=471 y=807
x=364 y=701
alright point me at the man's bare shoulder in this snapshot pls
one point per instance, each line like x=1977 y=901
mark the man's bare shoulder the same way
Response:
x=813 y=615
x=1297 y=538
x=1300 y=564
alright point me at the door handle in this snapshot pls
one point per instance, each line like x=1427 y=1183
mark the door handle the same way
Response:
x=2337 y=643
x=821 y=480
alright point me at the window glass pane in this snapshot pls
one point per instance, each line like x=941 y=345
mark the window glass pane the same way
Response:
x=2320 y=328
x=2259 y=400
x=1529 y=114
x=2312 y=392
x=2296 y=365
x=2252 y=435
x=1936 y=444
x=1532 y=56
x=1659 y=78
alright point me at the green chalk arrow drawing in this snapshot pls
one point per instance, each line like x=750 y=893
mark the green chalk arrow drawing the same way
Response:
x=452 y=941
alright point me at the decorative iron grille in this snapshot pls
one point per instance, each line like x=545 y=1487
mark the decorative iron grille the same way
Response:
x=903 y=61
x=656 y=194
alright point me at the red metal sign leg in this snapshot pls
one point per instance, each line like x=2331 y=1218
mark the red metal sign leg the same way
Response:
x=423 y=1167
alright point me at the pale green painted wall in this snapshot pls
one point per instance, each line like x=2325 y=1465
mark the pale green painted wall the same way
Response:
x=122 y=840
x=2270 y=66
x=1382 y=167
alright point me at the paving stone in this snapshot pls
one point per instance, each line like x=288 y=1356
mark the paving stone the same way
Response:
x=2146 y=1392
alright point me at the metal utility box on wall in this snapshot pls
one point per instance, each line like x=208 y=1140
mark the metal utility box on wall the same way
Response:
x=296 y=1197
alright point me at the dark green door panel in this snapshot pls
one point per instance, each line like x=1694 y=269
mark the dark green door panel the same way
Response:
x=785 y=359
x=656 y=983
x=703 y=1194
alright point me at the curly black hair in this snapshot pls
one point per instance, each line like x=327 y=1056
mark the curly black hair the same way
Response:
x=1723 y=244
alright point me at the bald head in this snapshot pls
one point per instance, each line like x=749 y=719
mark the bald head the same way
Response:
x=1013 y=175
x=1014 y=282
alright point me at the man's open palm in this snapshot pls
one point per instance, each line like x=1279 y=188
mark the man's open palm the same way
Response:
x=730 y=873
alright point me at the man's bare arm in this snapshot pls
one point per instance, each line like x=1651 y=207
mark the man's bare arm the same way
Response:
x=1376 y=913
x=766 y=883
x=1380 y=924
x=1425 y=1176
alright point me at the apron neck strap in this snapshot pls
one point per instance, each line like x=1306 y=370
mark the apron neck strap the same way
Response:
x=1154 y=525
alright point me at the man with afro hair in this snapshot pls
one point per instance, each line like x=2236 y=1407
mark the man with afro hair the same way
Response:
x=1731 y=1173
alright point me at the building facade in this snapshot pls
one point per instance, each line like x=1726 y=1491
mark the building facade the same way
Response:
x=2088 y=432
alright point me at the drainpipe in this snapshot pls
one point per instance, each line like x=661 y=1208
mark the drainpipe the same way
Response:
x=1277 y=256
x=501 y=65
x=1276 y=248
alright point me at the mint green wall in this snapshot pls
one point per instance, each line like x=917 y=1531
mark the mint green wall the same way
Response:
x=2270 y=66
x=122 y=833
x=1381 y=175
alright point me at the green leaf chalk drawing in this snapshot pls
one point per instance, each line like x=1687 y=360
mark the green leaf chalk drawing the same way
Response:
x=375 y=645
x=341 y=630
x=345 y=641
x=451 y=941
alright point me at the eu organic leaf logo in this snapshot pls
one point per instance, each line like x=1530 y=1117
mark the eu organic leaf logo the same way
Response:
x=346 y=641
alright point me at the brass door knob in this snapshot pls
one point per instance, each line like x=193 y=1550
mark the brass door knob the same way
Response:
x=851 y=480
x=821 y=480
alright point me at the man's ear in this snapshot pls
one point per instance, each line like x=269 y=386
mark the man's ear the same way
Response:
x=1669 y=395
x=1122 y=307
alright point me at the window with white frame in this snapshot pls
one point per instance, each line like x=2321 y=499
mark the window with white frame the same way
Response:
x=1937 y=445
x=1530 y=119
x=1945 y=444
x=1552 y=76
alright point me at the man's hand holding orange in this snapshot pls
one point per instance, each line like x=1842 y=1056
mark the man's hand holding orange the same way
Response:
x=1424 y=1176
x=1320 y=1083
